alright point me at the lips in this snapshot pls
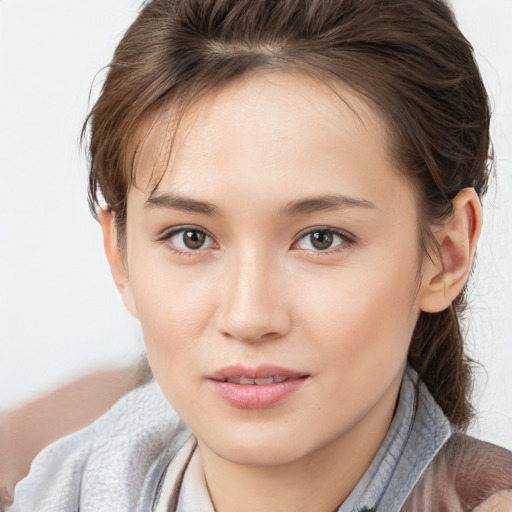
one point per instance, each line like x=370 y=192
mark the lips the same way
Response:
x=255 y=388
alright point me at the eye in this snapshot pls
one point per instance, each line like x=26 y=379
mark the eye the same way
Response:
x=321 y=239
x=188 y=239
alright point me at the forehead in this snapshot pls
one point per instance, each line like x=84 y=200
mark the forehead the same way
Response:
x=290 y=123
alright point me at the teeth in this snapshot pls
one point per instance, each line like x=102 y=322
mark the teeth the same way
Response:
x=246 y=381
x=263 y=382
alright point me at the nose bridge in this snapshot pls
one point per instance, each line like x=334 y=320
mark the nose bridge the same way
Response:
x=252 y=303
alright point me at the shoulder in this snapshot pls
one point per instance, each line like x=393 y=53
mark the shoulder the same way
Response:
x=479 y=469
x=106 y=465
x=499 y=502
x=466 y=474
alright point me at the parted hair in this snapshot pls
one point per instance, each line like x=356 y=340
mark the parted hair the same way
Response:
x=407 y=58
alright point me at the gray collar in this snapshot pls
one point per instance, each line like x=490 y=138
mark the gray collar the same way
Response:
x=418 y=431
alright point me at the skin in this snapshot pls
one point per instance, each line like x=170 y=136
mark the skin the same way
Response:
x=258 y=292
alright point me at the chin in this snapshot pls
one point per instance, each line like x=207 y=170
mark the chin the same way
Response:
x=260 y=455
x=264 y=446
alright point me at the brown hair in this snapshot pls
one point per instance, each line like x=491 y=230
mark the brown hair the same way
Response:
x=407 y=57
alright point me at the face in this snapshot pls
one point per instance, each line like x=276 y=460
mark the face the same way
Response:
x=275 y=269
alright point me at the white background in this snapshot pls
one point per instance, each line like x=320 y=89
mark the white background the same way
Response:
x=60 y=315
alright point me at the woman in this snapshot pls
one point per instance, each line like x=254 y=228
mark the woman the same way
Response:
x=289 y=194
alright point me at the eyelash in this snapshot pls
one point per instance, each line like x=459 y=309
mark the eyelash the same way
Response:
x=346 y=240
x=168 y=235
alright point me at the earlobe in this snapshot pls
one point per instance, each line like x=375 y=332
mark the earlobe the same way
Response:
x=115 y=260
x=446 y=270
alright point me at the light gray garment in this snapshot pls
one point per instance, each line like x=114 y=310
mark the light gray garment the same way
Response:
x=119 y=462
x=113 y=465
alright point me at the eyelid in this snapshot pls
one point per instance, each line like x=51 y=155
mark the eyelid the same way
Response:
x=170 y=232
x=348 y=238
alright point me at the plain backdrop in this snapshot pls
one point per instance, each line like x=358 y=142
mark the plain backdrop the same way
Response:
x=60 y=316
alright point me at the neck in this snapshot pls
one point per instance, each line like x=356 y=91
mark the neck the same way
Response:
x=319 y=481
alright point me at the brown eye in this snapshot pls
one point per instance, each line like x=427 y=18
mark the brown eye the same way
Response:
x=193 y=239
x=321 y=240
x=189 y=240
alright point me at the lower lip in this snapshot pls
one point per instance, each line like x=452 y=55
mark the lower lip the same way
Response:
x=253 y=396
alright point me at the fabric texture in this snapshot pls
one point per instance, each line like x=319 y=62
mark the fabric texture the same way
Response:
x=140 y=456
x=464 y=474
x=112 y=465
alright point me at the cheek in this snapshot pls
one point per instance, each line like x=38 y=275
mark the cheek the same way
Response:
x=173 y=321
x=364 y=316
x=174 y=306
x=362 y=332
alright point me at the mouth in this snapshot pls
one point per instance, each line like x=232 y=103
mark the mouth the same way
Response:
x=264 y=381
x=258 y=388
x=261 y=375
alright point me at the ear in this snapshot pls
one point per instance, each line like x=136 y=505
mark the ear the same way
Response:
x=115 y=259
x=446 y=271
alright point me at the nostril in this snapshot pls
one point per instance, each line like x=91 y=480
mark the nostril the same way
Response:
x=250 y=337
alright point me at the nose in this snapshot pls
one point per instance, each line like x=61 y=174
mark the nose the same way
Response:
x=253 y=305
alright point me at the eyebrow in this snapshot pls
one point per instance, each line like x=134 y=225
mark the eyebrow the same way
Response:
x=176 y=202
x=324 y=203
x=301 y=206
